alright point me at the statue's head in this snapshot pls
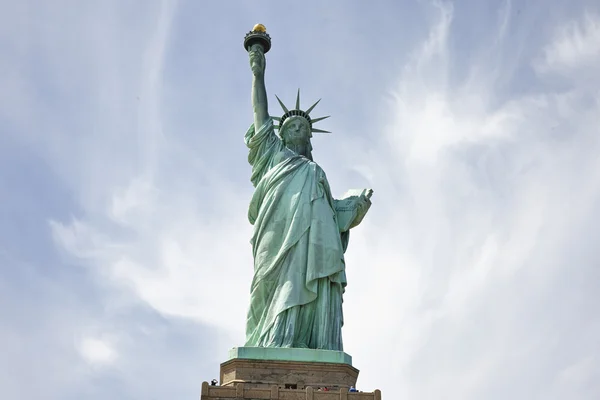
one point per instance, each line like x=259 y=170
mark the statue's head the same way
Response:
x=296 y=127
x=295 y=131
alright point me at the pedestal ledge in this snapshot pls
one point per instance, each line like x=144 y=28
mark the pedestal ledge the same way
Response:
x=288 y=368
x=290 y=354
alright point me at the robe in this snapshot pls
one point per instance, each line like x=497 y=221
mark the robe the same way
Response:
x=299 y=271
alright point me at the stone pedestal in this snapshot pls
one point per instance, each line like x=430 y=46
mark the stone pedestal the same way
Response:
x=288 y=368
x=240 y=391
x=287 y=374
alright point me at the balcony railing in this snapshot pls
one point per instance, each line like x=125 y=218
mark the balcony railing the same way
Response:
x=274 y=392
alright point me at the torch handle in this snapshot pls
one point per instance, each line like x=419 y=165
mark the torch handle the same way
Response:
x=257 y=59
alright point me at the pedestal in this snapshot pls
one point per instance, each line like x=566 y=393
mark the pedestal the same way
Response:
x=287 y=374
x=290 y=354
x=288 y=368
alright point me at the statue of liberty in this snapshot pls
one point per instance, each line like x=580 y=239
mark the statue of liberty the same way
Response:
x=300 y=232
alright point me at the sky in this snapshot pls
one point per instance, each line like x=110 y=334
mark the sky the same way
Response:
x=125 y=262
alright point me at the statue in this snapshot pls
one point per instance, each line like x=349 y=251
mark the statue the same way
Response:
x=300 y=231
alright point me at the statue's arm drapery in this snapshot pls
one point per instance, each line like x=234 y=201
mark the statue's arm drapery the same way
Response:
x=263 y=145
x=261 y=139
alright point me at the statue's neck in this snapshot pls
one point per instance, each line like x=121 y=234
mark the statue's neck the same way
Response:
x=300 y=149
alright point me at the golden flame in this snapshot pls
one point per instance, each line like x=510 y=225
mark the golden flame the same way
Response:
x=259 y=28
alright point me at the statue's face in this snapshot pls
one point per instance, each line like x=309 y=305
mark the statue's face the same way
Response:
x=296 y=131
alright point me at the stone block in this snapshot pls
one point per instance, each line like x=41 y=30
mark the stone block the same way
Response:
x=287 y=374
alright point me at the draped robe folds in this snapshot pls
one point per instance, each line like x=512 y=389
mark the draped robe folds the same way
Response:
x=299 y=271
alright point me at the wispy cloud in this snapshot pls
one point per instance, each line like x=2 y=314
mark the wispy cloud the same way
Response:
x=97 y=351
x=147 y=227
x=474 y=275
x=575 y=45
x=472 y=233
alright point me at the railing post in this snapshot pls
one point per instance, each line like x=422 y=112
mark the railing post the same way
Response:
x=343 y=393
x=310 y=395
x=274 y=392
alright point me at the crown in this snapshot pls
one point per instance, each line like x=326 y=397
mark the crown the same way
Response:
x=297 y=112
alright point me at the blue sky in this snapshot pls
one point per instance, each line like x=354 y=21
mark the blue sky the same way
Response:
x=125 y=262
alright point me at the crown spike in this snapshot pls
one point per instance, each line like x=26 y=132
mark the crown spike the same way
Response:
x=313 y=120
x=297 y=112
x=282 y=105
x=313 y=106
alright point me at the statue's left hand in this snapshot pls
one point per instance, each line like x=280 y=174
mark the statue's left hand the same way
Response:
x=363 y=205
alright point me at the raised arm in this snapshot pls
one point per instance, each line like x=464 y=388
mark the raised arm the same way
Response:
x=259 y=92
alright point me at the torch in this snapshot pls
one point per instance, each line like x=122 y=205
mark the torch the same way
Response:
x=258 y=35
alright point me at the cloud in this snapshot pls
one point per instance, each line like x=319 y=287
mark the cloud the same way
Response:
x=97 y=351
x=473 y=276
x=575 y=45
x=474 y=209
x=478 y=201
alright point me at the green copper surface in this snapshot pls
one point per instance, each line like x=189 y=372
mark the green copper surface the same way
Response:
x=290 y=354
x=300 y=232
